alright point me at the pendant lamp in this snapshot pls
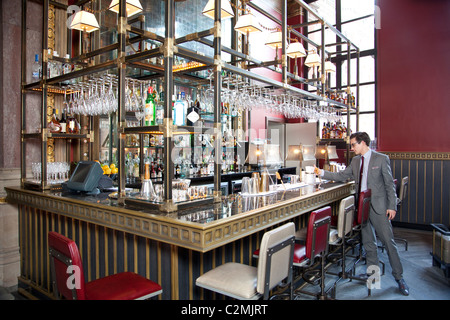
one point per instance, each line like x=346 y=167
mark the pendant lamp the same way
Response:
x=227 y=11
x=295 y=50
x=84 y=21
x=312 y=60
x=133 y=7
x=246 y=24
x=329 y=67
x=275 y=40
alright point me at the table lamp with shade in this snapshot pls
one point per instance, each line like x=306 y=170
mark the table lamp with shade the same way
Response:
x=295 y=153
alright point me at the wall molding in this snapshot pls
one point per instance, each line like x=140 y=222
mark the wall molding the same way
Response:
x=405 y=155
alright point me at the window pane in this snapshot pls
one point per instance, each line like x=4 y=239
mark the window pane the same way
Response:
x=366 y=70
x=361 y=33
x=366 y=98
x=326 y=9
x=351 y=9
x=366 y=123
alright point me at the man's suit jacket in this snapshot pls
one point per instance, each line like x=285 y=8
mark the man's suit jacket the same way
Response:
x=379 y=180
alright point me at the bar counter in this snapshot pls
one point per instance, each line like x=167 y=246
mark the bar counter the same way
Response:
x=172 y=249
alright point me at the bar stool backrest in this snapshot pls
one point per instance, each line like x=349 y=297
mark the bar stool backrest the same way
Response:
x=364 y=207
x=317 y=233
x=275 y=257
x=403 y=190
x=345 y=216
x=66 y=267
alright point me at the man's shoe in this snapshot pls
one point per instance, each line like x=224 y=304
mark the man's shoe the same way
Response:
x=403 y=287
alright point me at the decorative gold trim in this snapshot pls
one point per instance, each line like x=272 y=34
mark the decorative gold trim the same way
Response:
x=190 y=235
x=402 y=155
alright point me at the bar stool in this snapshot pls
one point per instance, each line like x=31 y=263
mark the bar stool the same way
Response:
x=246 y=282
x=340 y=235
x=401 y=197
x=307 y=256
x=66 y=266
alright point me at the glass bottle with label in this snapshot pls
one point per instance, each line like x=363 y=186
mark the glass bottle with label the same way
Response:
x=63 y=121
x=149 y=111
x=179 y=112
x=193 y=114
x=54 y=126
x=37 y=69
x=160 y=107
x=72 y=125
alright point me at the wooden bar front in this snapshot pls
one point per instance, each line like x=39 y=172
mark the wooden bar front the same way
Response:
x=172 y=249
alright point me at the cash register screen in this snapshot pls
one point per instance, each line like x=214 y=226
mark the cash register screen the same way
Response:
x=86 y=176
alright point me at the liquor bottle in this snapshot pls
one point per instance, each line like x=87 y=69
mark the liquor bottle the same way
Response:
x=192 y=114
x=136 y=166
x=63 y=121
x=153 y=172
x=67 y=68
x=160 y=107
x=333 y=131
x=179 y=112
x=37 y=69
x=72 y=125
x=55 y=67
x=54 y=126
x=177 y=171
x=149 y=112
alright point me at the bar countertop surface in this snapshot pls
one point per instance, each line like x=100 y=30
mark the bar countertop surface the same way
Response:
x=200 y=227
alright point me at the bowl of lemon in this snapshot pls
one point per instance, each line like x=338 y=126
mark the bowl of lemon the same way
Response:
x=110 y=170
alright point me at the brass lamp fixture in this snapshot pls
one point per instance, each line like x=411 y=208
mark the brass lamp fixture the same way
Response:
x=247 y=24
x=295 y=153
x=133 y=7
x=275 y=41
x=308 y=153
x=295 y=50
x=84 y=21
x=329 y=67
x=312 y=60
x=226 y=9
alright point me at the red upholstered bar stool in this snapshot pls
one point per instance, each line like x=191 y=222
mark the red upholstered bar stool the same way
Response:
x=66 y=266
x=308 y=256
x=246 y=282
x=339 y=236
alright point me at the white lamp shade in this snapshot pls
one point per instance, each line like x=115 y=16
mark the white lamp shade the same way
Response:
x=275 y=40
x=247 y=23
x=321 y=152
x=133 y=7
x=295 y=153
x=272 y=154
x=295 y=50
x=332 y=154
x=312 y=60
x=309 y=152
x=329 y=67
x=84 y=21
x=226 y=12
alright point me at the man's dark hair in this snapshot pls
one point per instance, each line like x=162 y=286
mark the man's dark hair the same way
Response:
x=361 y=136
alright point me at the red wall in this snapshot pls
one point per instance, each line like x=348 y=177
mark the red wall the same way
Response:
x=413 y=74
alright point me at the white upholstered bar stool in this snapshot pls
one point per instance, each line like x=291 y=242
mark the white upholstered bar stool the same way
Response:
x=246 y=282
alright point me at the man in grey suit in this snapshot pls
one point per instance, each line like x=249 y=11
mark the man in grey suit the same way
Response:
x=377 y=176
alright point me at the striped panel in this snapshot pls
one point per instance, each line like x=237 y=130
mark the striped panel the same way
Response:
x=428 y=196
x=105 y=251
